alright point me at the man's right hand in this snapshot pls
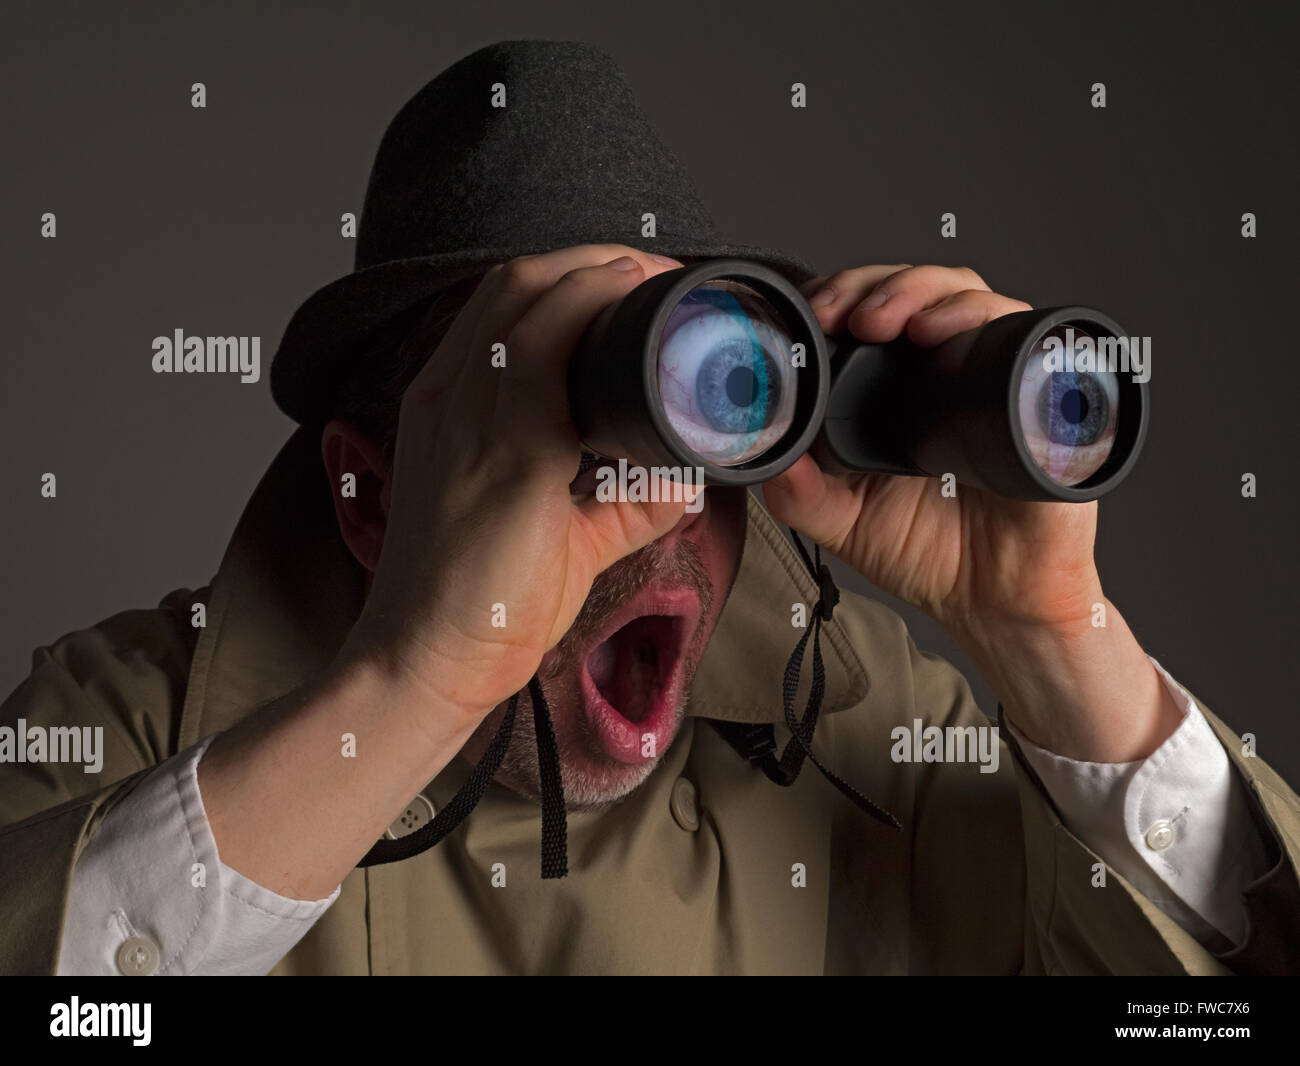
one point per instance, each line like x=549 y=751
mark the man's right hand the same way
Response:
x=478 y=512
x=486 y=558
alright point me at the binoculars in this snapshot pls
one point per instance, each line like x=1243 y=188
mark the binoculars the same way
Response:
x=721 y=366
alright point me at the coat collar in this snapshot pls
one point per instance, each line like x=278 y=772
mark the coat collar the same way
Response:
x=288 y=591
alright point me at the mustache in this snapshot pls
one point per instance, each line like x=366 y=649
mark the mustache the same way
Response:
x=680 y=565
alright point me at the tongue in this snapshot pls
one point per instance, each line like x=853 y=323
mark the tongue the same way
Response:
x=626 y=667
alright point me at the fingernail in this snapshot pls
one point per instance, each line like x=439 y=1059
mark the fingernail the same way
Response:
x=876 y=299
x=624 y=262
x=823 y=297
x=665 y=260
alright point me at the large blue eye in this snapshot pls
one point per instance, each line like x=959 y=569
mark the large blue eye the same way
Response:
x=726 y=375
x=1068 y=417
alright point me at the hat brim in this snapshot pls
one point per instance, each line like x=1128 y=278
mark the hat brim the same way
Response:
x=329 y=329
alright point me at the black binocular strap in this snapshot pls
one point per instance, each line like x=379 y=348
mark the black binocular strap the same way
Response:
x=555 y=848
x=757 y=743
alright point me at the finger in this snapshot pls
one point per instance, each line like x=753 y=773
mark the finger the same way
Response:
x=968 y=309
x=455 y=340
x=532 y=403
x=521 y=282
x=832 y=298
x=616 y=528
x=465 y=369
x=443 y=383
x=508 y=289
x=883 y=314
x=816 y=504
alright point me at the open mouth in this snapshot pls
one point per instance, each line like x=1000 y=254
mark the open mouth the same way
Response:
x=632 y=677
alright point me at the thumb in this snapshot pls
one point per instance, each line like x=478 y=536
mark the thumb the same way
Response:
x=806 y=500
x=617 y=528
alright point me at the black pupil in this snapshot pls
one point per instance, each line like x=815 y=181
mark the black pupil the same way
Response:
x=742 y=386
x=1074 y=406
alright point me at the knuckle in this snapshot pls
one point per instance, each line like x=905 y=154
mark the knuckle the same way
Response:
x=579 y=276
x=606 y=252
x=520 y=276
x=926 y=273
x=872 y=275
x=901 y=275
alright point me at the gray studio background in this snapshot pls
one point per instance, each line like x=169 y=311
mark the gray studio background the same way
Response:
x=222 y=220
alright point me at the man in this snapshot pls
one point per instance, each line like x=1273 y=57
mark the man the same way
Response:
x=429 y=541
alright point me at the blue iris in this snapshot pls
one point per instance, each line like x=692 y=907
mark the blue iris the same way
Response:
x=735 y=386
x=1073 y=408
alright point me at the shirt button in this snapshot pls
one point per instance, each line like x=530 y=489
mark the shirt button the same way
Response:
x=138 y=957
x=682 y=804
x=1160 y=835
x=419 y=813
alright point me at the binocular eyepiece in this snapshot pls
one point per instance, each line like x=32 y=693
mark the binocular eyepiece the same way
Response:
x=722 y=366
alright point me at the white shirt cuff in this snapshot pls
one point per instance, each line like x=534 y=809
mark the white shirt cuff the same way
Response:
x=150 y=894
x=1176 y=825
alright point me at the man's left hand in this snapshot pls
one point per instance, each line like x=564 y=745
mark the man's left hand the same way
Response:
x=1013 y=581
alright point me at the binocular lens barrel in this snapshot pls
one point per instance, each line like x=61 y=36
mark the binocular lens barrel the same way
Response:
x=722 y=366
x=719 y=366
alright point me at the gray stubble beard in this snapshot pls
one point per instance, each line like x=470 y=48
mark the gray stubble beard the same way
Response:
x=583 y=791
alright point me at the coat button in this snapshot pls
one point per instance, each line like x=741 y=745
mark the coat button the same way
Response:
x=419 y=813
x=1160 y=835
x=138 y=957
x=682 y=804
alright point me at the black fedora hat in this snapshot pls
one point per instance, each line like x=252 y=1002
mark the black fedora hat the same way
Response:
x=459 y=183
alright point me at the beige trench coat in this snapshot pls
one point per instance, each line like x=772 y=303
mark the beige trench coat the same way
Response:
x=984 y=878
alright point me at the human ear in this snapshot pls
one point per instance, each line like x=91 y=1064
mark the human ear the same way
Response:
x=360 y=482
